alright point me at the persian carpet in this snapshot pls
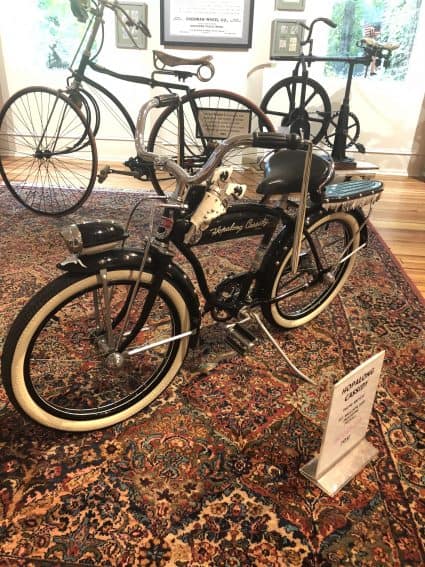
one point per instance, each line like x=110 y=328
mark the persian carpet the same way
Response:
x=208 y=475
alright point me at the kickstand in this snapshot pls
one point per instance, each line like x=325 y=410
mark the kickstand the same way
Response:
x=297 y=371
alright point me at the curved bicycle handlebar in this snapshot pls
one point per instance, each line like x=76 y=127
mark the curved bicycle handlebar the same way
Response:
x=326 y=21
x=130 y=22
x=270 y=140
x=81 y=8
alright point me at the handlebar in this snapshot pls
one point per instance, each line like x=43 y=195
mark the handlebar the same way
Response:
x=326 y=21
x=270 y=140
x=81 y=9
x=276 y=141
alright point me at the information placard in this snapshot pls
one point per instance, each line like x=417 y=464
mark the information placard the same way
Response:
x=344 y=450
x=219 y=124
x=349 y=412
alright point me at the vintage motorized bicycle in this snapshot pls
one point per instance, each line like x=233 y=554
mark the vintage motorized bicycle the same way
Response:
x=103 y=340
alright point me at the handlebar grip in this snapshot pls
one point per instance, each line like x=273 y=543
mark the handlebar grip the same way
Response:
x=330 y=23
x=79 y=9
x=171 y=99
x=274 y=140
x=143 y=28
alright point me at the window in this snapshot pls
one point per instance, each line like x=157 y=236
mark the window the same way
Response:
x=387 y=21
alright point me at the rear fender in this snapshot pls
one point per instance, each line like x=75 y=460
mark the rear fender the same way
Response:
x=284 y=239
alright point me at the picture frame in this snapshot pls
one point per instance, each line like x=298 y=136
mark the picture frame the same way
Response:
x=291 y=5
x=202 y=23
x=286 y=38
x=137 y=11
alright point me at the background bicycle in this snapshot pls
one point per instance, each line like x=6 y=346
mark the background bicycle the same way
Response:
x=299 y=103
x=48 y=149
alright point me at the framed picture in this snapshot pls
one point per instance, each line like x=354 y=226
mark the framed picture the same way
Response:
x=286 y=38
x=202 y=23
x=136 y=12
x=296 y=5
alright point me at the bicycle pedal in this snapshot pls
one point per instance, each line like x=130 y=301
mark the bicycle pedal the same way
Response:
x=240 y=339
x=103 y=173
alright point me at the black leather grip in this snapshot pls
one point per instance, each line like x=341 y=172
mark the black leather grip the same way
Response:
x=274 y=140
x=330 y=23
x=167 y=100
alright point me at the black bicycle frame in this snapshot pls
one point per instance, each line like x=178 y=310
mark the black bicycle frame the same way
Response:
x=79 y=77
x=240 y=221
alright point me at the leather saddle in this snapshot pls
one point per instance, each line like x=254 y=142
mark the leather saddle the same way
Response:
x=284 y=173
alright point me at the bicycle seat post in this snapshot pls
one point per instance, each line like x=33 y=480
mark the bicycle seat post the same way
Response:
x=338 y=150
x=180 y=125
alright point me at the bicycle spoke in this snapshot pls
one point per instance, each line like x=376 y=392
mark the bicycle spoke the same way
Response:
x=217 y=115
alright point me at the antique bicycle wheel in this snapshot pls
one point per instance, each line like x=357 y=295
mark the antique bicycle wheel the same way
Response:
x=55 y=364
x=48 y=157
x=326 y=261
x=210 y=116
x=299 y=105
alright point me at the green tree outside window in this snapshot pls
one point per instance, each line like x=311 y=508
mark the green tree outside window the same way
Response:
x=61 y=32
x=393 y=21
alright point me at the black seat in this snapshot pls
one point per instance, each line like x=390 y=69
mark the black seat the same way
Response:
x=284 y=172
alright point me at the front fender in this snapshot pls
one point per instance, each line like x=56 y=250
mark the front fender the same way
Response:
x=122 y=258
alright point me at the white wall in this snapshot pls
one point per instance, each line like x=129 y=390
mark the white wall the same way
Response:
x=388 y=111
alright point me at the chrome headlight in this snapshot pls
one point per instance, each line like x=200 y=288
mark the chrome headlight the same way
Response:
x=93 y=236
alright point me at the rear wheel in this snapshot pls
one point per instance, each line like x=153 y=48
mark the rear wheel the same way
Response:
x=324 y=265
x=210 y=116
x=55 y=365
x=48 y=157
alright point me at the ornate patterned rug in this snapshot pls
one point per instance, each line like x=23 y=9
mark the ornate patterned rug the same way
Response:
x=209 y=474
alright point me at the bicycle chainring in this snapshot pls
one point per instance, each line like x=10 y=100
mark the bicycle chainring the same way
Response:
x=228 y=297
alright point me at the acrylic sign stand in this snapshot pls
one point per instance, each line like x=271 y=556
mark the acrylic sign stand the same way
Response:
x=344 y=450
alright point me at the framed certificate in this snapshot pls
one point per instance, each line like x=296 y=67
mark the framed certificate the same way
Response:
x=202 y=23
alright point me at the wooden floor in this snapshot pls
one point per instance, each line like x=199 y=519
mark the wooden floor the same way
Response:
x=400 y=219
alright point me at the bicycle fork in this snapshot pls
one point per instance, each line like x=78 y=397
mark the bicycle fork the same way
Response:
x=116 y=347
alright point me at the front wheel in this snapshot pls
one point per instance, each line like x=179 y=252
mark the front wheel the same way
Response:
x=325 y=263
x=48 y=156
x=55 y=367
